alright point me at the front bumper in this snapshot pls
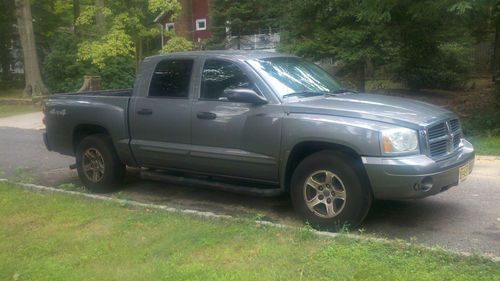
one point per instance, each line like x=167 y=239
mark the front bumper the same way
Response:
x=416 y=176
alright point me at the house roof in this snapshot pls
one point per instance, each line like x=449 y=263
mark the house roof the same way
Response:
x=161 y=17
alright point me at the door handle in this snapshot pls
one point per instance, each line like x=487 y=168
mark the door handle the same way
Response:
x=206 y=115
x=145 y=111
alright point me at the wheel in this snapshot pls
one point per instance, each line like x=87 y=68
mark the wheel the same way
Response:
x=98 y=165
x=330 y=192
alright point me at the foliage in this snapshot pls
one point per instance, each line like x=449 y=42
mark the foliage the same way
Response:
x=128 y=26
x=343 y=30
x=70 y=238
x=446 y=66
x=176 y=44
x=435 y=44
x=118 y=73
x=241 y=18
x=8 y=33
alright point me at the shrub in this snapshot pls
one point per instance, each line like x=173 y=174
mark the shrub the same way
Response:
x=176 y=44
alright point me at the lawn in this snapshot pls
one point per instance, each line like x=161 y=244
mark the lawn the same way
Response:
x=486 y=145
x=62 y=237
x=16 y=109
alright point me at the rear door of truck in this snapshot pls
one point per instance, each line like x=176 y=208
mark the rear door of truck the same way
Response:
x=160 y=114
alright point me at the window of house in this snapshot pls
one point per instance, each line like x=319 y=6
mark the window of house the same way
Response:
x=170 y=26
x=201 y=24
x=171 y=78
x=219 y=75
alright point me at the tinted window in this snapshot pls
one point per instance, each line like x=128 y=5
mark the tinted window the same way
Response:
x=171 y=79
x=221 y=75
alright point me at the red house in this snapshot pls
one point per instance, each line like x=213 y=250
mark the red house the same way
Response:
x=192 y=23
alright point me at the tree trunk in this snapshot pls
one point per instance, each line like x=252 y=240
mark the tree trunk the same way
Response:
x=99 y=16
x=76 y=13
x=360 y=78
x=496 y=47
x=33 y=79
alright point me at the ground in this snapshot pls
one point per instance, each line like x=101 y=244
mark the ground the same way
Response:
x=60 y=237
x=465 y=218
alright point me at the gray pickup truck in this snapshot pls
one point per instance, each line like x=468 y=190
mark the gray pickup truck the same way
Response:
x=261 y=123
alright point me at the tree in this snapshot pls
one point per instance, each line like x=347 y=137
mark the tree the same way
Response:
x=34 y=85
x=7 y=30
x=176 y=43
x=242 y=17
x=127 y=28
x=343 y=30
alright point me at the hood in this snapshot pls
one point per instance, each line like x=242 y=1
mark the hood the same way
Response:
x=387 y=109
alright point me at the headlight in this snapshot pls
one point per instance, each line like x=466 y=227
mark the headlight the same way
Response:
x=399 y=140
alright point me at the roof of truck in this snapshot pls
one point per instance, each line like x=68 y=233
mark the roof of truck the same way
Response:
x=233 y=54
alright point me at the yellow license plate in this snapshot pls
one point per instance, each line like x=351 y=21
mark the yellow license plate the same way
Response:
x=464 y=171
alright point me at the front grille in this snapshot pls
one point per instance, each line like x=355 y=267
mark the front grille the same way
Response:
x=444 y=138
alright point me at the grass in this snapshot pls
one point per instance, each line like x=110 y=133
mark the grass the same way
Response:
x=486 y=145
x=45 y=236
x=7 y=110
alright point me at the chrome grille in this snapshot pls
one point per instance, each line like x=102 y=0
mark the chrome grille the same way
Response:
x=444 y=138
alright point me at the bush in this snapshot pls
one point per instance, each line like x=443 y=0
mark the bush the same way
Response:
x=446 y=67
x=64 y=73
x=176 y=44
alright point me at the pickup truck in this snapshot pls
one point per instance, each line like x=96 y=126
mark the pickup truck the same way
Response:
x=265 y=123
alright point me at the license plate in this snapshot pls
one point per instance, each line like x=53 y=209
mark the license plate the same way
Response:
x=464 y=171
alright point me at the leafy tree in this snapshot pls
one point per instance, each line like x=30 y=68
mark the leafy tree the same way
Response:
x=338 y=29
x=119 y=28
x=7 y=30
x=34 y=85
x=176 y=43
x=435 y=44
x=240 y=18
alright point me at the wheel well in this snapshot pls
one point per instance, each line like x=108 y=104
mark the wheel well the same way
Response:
x=304 y=149
x=85 y=130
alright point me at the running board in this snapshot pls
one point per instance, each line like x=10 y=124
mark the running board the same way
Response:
x=163 y=177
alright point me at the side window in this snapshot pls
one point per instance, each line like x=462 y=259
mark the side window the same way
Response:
x=219 y=75
x=171 y=79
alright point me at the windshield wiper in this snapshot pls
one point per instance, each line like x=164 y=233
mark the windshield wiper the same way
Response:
x=304 y=94
x=341 y=91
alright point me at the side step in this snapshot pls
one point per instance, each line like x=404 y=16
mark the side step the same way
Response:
x=217 y=185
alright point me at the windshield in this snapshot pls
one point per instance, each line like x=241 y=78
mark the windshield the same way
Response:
x=289 y=76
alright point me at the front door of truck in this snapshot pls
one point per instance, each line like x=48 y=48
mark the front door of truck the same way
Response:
x=160 y=121
x=229 y=138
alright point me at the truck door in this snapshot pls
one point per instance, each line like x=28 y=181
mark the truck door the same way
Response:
x=160 y=121
x=234 y=139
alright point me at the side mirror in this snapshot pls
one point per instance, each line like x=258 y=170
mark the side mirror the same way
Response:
x=244 y=95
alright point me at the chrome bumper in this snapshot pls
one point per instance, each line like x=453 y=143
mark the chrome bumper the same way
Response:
x=416 y=176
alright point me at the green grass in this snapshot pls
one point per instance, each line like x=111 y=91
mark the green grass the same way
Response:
x=9 y=93
x=46 y=236
x=486 y=145
x=16 y=109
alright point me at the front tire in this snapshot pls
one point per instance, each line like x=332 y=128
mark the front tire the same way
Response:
x=329 y=191
x=98 y=165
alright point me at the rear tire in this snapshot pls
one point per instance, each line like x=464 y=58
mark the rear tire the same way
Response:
x=98 y=165
x=330 y=191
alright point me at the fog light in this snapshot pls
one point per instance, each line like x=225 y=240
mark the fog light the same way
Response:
x=424 y=185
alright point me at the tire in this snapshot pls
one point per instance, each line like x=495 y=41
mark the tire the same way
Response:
x=106 y=172
x=347 y=192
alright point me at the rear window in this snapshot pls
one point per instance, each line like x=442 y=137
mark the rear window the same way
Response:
x=171 y=79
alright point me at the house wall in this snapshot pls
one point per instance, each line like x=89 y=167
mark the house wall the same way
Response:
x=185 y=24
x=200 y=11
